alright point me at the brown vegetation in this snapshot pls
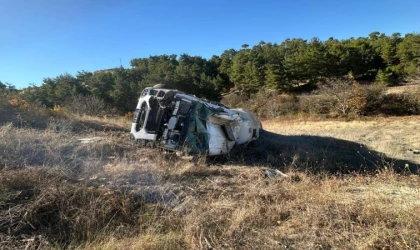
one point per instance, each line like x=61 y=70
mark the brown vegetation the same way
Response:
x=57 y=192
x=333 y=99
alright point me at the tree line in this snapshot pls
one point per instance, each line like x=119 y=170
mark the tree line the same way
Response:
x=288 y=67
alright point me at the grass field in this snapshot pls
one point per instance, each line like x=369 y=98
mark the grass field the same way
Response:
x=395 y=137
x=349 y=185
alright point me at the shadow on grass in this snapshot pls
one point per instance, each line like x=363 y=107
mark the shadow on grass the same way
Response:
x=314 y=154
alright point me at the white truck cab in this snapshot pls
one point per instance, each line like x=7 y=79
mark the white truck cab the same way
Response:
x=177 y=121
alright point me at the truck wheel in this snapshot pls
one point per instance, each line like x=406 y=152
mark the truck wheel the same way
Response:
x=162 y=86
x=141 y=143
x=131 y=137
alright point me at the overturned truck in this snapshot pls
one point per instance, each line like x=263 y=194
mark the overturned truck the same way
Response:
x=176 y=121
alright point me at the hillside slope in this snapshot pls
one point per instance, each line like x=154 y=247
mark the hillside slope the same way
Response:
x=56 y=191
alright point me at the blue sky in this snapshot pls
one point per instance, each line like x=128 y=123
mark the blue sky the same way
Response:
x=46 y=38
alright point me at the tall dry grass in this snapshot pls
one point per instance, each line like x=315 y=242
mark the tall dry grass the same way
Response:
x=237 y=208
x=56 y=192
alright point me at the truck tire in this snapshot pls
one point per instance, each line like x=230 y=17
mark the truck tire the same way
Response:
x=162 y=86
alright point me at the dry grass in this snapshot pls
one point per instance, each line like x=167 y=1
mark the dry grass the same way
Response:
x=396 y=137
x=413 y=89
x=56 y=192
x=244 y=210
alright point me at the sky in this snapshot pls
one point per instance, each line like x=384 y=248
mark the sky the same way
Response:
x=46 y=38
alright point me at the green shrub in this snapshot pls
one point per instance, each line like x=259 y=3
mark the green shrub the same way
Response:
x=385 y=77
x=412 y=70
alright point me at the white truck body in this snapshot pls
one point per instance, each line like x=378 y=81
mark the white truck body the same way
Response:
x=177 y=121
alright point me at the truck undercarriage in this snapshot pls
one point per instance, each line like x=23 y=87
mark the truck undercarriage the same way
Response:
x=175 y=121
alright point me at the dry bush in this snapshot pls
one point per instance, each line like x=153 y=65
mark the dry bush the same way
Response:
x=233 y=100
x=400 y=104
x=338 y=90
x=274 y=106
x=372 y=100
x=23 y=114
x=10 y=110
x=265 y=104
x=6 y=110
x=368 y=100
x=341 y=97
x=334 y=98
x=87 y=105
x=316 y=104
x=42 y=202
x=365 y=100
